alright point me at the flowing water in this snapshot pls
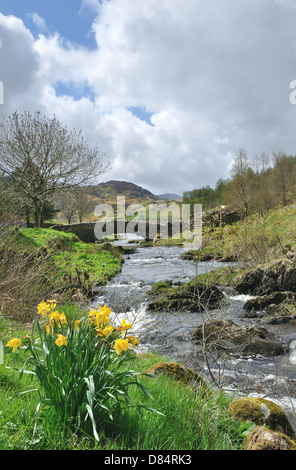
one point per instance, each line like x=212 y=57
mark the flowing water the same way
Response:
x=169 y=333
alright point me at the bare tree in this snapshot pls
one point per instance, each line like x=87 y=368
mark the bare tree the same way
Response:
x=84 y=205
x=283 y=175
x=66 y=204
x=264 y=197
x=241 y=184
x=40 y=156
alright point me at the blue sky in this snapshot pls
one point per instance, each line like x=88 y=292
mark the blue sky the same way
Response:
x=72 y=20
x=168 y=89
x=64 y=16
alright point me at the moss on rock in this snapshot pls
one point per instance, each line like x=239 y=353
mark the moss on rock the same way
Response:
x=262 y=412
x=178 y=372
x=194 y=296
x=266 y=439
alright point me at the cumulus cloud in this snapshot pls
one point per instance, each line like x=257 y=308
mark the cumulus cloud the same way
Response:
x=211 y=76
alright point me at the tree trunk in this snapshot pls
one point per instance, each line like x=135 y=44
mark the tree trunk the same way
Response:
x=37 y=214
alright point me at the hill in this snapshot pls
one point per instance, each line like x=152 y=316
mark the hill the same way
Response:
x=108 y=192
x=170 y=196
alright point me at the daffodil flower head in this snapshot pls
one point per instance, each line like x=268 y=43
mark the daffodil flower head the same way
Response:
x=105 y=331
x=100 y=317
x=52 y=303
x=61 y=340
x=124 y=326
x=14 y=344
x=120 y=345
x=43 y=308
x=58 y=318
x=76 y=324
x=133 y=340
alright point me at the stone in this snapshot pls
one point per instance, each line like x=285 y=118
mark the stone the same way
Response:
x=271 y=300
x=178 y=372
x=262 y=412
x=266 y=439
x=191 y=296
x=277 y=276
x=235 y=340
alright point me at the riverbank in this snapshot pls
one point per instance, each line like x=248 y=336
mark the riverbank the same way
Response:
x=203 y=420
x=217 y=429
x=45 y=263
x=144 y=266
x=265 y=248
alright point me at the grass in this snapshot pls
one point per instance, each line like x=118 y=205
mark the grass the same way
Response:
x=99 y=263
x=28 y=239
x=69 y=253
x=259 y=240
x=47 y=262
x=186 y=420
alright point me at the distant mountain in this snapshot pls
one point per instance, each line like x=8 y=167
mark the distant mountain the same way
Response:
x=169 y=196
x=108 y=192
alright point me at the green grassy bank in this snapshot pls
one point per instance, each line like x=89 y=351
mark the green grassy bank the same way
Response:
x=40 y=263
x=183 y=419
x=256 y=240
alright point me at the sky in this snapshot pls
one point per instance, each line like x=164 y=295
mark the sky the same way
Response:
x=169 y=89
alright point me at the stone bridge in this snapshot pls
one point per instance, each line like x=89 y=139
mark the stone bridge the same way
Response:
x=91 y=232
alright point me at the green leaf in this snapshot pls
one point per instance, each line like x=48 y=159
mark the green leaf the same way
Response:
x=90 y=414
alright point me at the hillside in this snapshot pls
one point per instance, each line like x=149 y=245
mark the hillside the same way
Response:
x=170 y=196
x=108 y=192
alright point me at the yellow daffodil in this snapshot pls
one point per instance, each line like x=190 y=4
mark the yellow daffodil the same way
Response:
x=27 y=337
x=54 y=317
x=43 y=308
x=106 y=331
x=124 y=326
x=76 y=324
x=63 y=319
x=120 y=345
x=105 y=309
x=52 y=303
x=100 y=317
x=61 y=340
x=14 y=344
x=59 y=318
x=92 y=313
x=133 y=341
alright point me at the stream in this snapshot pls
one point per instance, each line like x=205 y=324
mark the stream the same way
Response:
x=169 y=333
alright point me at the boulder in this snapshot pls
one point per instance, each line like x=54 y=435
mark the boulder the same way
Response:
x=235 y=340
x=178 y=372
x=266 y=439
x=262 y=412
x=273 y=299
x=278 y=276
x=195 y=295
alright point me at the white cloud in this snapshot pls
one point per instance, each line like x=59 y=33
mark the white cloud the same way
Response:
x=214 y=76
x=38 y=21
